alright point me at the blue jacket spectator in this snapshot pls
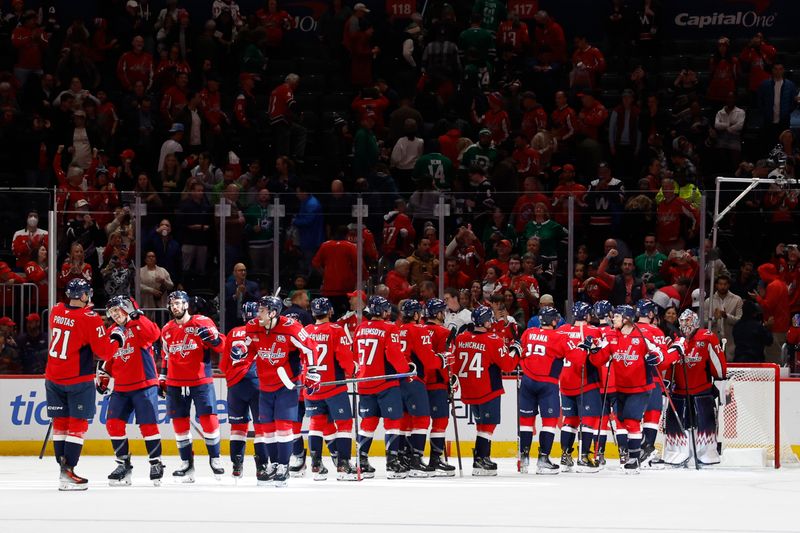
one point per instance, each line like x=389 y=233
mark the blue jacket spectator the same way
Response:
x=766 y=97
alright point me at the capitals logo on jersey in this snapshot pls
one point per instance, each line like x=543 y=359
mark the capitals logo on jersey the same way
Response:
x=627 y=358
x=124 y=353
x=274 y=357
x=183 y=348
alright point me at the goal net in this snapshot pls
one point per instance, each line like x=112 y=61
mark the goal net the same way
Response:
x=749 y=417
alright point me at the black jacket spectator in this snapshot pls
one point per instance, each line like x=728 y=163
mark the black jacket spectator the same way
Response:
x=751 y=335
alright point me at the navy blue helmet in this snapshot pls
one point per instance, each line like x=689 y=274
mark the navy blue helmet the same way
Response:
x=123 y=302
x=482 y=315
x=249 y=310
x=602 y=309
x=410 y=308
x=77 y=287
x=321 y=306
x=581 y=310
x=378 y=305
x=273 y=303
x=644 y=307
x=434 y=306
x=548 y=315
x=627 y=312
x=177 y=296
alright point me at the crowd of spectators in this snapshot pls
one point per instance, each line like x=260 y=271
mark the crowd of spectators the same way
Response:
x=181 y=109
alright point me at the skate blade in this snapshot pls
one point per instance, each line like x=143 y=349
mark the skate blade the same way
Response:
x=348 y=477
x=632 y=472
x=156 y=482
x=547 y=472
x=183 y=479
x=119 y=482
x=396 y=475
x=280 y=484
x=66 y=487
x=419 y=474
x=567 y=469
x=267 y=483
x=587 y=470
x=444 y=473
x=300 y=473
x=367 y=475
x=480 y=472
x=320 y=477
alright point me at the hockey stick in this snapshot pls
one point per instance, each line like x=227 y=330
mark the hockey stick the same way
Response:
x=603 y=408
x=517 y=335
x=355 y=415
x=580 y=405
x=347 y=381
x=46 y=438
x=451 y=394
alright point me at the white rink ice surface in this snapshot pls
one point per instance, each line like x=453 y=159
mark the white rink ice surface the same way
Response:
x=762 y=500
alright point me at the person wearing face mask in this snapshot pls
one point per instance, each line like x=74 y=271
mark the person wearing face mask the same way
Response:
x=26 y=242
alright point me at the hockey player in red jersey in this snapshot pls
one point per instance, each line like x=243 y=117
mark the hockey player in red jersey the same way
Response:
x=188 y=341
x=602 y=313
x=700 y=360
x=436 y=384
x=334 y=361
x=237 y=363
x=543 y=352
x=415 y=342
x=646 y=313
x=377 y=345
x=133 y=368
x=581 y=405
x=281 y=347
x=77 y=334
x=632 y=353
x=480 y=359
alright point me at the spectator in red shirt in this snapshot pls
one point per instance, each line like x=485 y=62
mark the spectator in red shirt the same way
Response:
x=503 y=249
x=758 y=54
x=74 y=267
x=398 y=232
x=588 y=64
x=275 y=23
x=591 y=116
x=337 y=259
x=26 y=242
x=567 y=186
x=453 y=277
x=397 y=281
x=289 y=136
x=724 y=68
x=30 y=41
x=527 y=159
x=496 y=118
x=676 y=219
x=534 y=117
x=36 y=272
x=550 y=44
x=522 y=212
x=135 y=65
x=563 y=121
x=773 y=297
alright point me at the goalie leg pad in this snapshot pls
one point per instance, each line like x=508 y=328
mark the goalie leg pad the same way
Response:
x=706 y=433
x=677 y=449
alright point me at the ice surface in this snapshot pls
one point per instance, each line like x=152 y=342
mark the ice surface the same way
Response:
x=721 y=500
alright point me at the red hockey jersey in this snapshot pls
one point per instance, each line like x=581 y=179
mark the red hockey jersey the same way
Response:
x=235 y=371
x=377 y=345
x=543 y=353
x=439 y=334
x=133 y=366
x=76 y=335
x=480 y=360
x=578 y=372
x=417 y=346
x=286 y=346
x=627 y=354
x=186 y=358
x=334 y=357
x=704 y=360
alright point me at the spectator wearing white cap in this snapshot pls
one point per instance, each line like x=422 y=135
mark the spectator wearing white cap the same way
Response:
x=353 y=24
x=172 y=145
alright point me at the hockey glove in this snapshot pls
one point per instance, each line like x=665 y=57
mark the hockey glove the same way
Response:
x=515 y=348
x=453 y=385
x=101 y=381
x=136 y=312
x=117 y=335
x=589 y=345
x=238 y=352
x=653 y=358
x=209 y=336
x=162 y=386
x=679 y=347
x=447 y=359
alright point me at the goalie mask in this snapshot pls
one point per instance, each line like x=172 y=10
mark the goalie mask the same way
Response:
x=688 y=322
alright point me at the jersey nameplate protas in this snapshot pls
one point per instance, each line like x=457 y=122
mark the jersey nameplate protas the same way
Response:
x=274 y=357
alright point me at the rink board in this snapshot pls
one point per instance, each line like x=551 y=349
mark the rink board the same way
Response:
x=23 y=421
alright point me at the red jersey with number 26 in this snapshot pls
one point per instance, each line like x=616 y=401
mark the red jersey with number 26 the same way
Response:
x=377 y=345
x=76 y=335
x=334 y=357
x=480 y=360
x=133 y=366
x=187 y=359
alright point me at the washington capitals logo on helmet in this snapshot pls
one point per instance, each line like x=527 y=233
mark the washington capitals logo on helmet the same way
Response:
x=411 y=308
x=581 y=310
x=378 y=305
x=321 y=306
x=482 y=315
x=77 y=287
x=249 y=310
x=434 y=306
